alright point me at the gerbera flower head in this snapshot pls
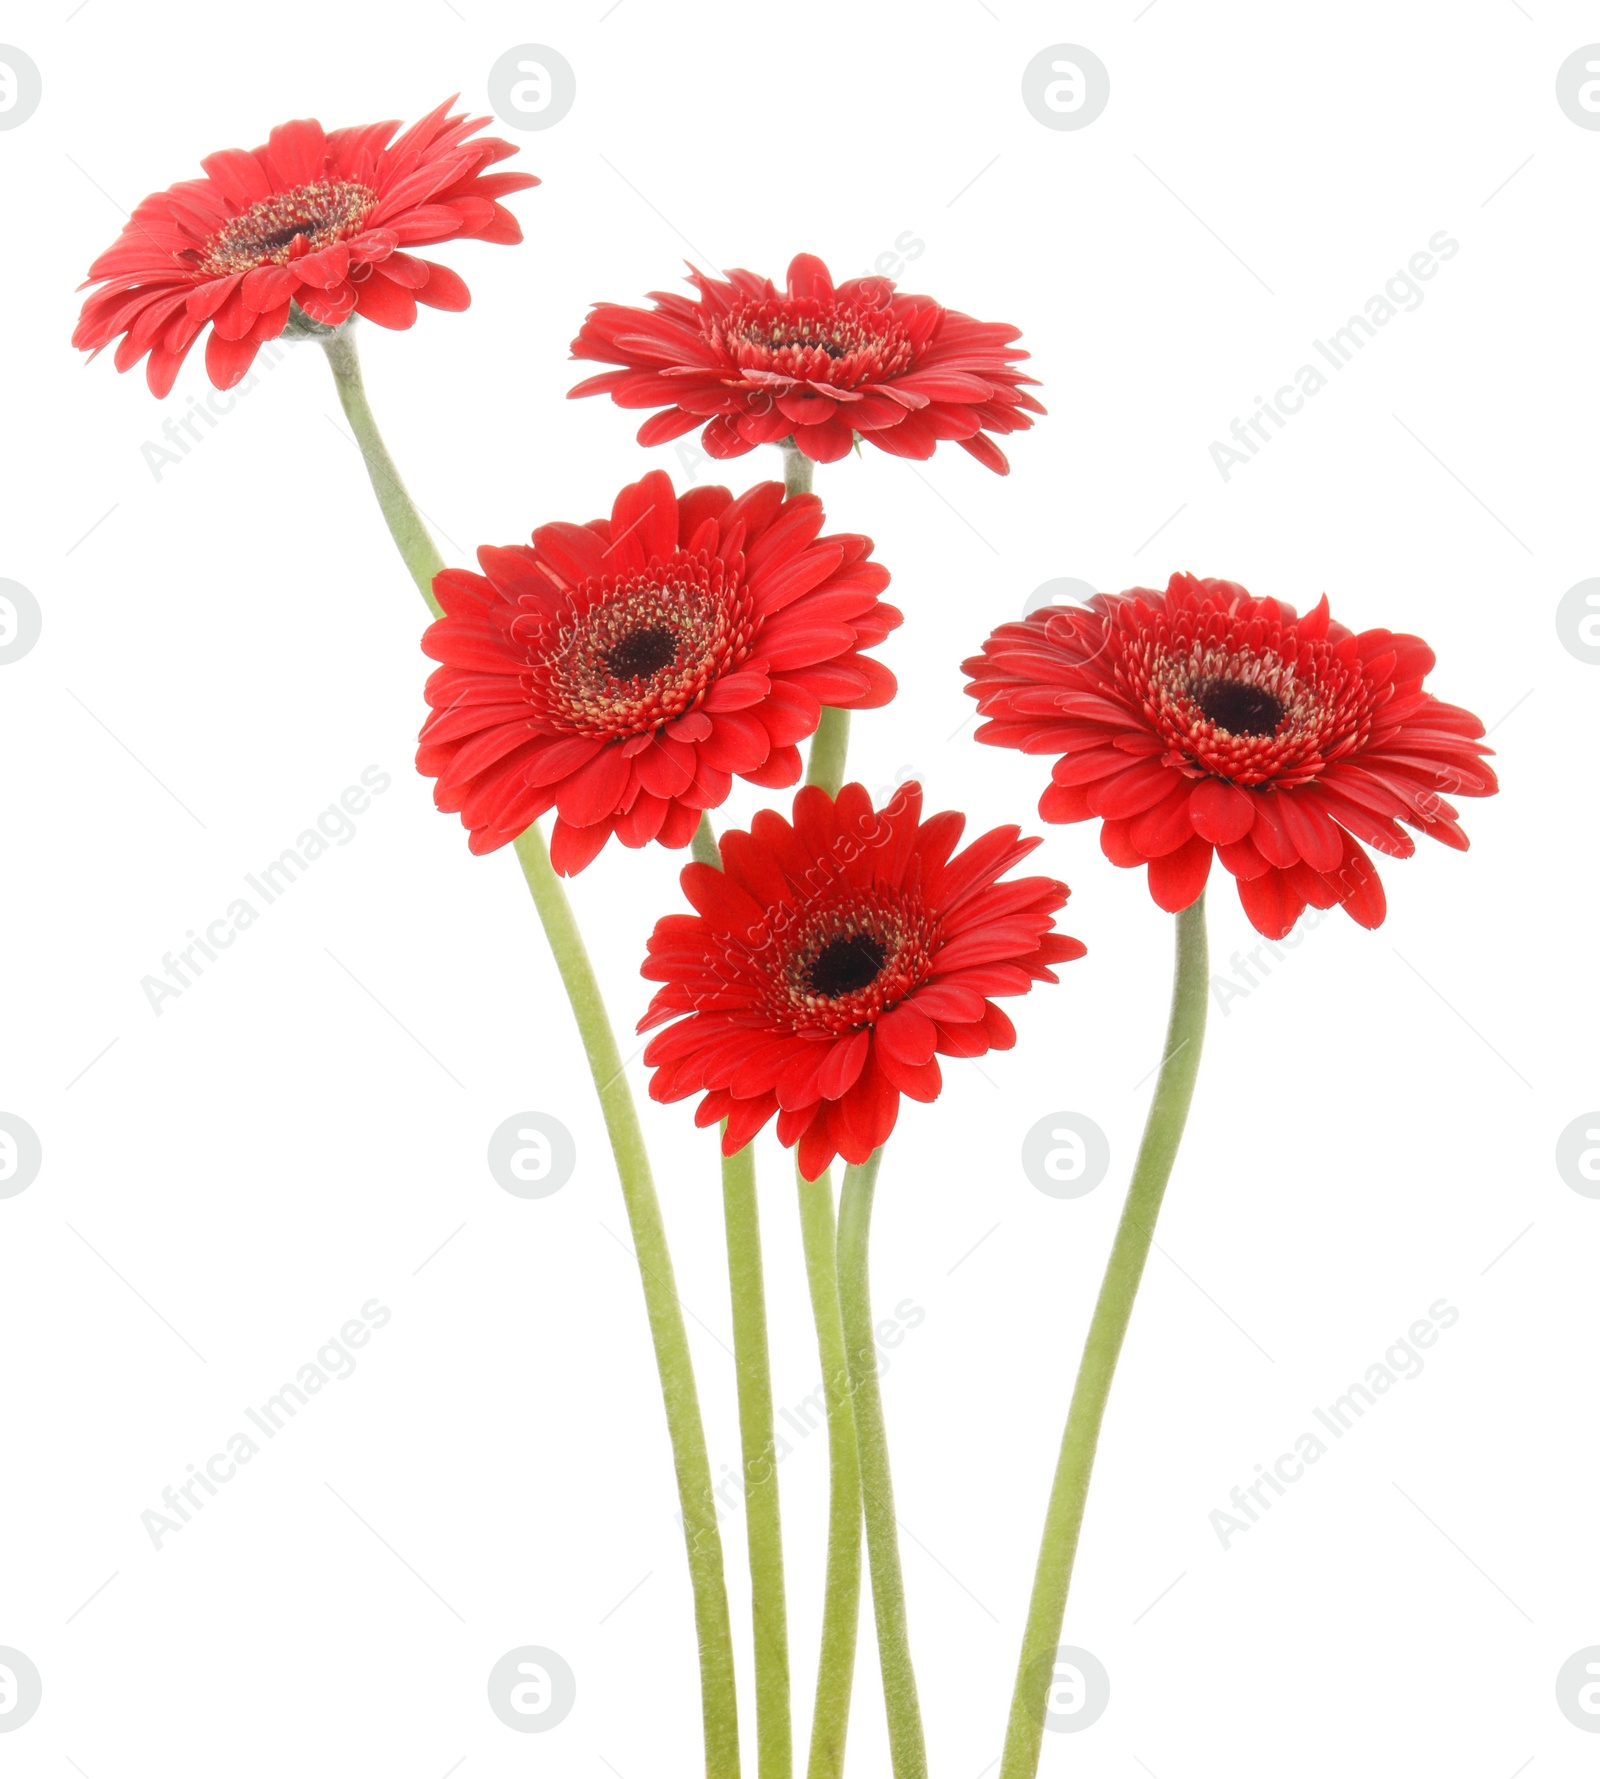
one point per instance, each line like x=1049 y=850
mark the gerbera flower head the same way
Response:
x=318 y=219
x=622 y=672
x=833 y=960
x=1202 y=722
x=816 y=363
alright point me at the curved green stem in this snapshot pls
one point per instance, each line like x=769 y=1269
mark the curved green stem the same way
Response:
x=841 y=1604
x=687 y=1433
x=758 y=1447
x=1163 y=1131
x=757 y=1441
x=907 y=1750
x=405 y=523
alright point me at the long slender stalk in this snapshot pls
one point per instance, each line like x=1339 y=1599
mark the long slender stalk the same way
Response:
x=1163 y=1131
x=908 y=1753
x=757 y=1441
x=758 y=1447
x=405 y=523
x=841 y=1603
x=685 y=1430
x=825 y=766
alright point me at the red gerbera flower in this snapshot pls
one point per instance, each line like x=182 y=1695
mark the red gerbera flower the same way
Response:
x=1204 y=721
x=313 y=218
x=820 y=365
x=621 y=672
x=831 y=961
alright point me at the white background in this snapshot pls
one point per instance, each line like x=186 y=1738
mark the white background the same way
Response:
x=225 y=648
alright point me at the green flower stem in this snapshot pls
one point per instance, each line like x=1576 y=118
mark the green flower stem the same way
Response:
x=758 y=1444
x=405 y=523
x=718 y=1698
x=908 y=1753
x=763 y=1525
x=719 y=1703
x=704 y=844
x=1163 y=1131
x=797 y=471
x=841 y=1605
x=828 y=745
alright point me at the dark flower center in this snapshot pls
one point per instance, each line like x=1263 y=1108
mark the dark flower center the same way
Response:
x=848 y=953
x=624 y=654
x=270 y=243
x=642 y=652
x=1243 y=701
x=800 y=343
x=845 y=965
x=325 y=211
x=1240 y=708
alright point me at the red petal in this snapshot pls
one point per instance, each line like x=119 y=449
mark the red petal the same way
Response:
x=907 y=1034
x=810 y=279
x=297 y=152
x=722 y=902
x=1222 y=812
x=845 y=1061
x=593 y=792
x=1177 y=878
x=1359 y=889
x=386 y=303
x=572 y=848
x=1314 y=833
x=227 y=361
x=444 y=290
x=1270 y=903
